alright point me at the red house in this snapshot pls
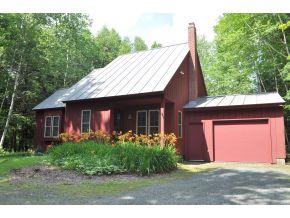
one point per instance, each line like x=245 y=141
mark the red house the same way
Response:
x=163 y=90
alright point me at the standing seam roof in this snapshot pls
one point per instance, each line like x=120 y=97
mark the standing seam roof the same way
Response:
x=141 y=72
x=235 y=100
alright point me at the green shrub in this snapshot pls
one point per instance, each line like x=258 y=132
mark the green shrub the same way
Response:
x=92 y=158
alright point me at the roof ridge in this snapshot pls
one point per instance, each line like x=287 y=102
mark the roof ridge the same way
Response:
x=183 y=43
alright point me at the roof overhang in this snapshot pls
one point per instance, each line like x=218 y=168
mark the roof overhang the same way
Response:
x=235 y=107
x=120 y=97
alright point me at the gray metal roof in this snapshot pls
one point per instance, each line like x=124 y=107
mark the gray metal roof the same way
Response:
x=140 y=72
x=53 y=101
x=235 y=100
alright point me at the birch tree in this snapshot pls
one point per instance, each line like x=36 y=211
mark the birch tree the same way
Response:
x=19 y=41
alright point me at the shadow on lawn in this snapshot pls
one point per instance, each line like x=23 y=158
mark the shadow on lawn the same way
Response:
x=222 y=186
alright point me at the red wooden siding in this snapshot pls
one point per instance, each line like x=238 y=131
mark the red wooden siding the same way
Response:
x=177 y=92
x=102 y=112
x=223 y=129
x=39 y=139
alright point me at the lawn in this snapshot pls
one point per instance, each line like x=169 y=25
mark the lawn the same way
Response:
x=7 y=163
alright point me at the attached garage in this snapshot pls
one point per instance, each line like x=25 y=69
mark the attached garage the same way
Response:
x=235 y=128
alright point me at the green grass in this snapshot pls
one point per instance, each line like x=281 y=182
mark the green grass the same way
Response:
x=7 y=163
x=93 y=158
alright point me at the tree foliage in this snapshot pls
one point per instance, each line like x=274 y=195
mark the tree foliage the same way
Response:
x=248 y=55
x=48 y=52
x=139 y=44
x=156 y=45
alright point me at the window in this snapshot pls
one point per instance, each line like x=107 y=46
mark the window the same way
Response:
x=153 y=122
x=117 y=121
x=47 y=129
x=86 y=121
x=179 y=124
x=141 y=122
x=51 y=128
x=150 y=126
x=55 y=126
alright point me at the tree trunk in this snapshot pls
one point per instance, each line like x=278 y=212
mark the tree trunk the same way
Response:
x=10 y=110
x=284 y=37
x=66 y=70
x=5 y=94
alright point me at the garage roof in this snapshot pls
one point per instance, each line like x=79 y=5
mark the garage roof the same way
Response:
x=53 y=101
x=140 y=72
x=235 y=100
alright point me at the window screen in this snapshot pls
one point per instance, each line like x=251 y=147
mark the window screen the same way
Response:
x=153 y=122
x=55 y=126
x=51 y=128
x=47 y=129
x=142 y=122
x=86 y=121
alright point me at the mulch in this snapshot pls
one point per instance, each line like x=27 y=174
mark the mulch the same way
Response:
x=54 y=175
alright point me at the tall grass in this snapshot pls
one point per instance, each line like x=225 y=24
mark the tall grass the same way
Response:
x=92 y=158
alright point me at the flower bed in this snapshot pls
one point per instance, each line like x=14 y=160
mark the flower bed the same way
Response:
x=98 y=153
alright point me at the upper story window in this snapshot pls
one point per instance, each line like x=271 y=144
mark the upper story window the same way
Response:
x=179 y=124
x=51 y=128
x=86 y=121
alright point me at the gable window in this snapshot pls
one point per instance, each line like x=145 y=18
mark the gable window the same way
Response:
x=86 y=121
x=141 y=122
x=51 y=128
x=179 y=124
x=153 y=122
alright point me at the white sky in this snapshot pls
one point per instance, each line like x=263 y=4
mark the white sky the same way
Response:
x=172 y=30
x=162 y=20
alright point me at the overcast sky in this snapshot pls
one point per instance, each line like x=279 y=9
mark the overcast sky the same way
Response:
x=165 y=21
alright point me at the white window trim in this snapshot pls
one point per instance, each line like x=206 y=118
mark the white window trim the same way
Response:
x=179 y=124
x=146 y=126
x=149 y=133
x=86 y=123
x=51 y=127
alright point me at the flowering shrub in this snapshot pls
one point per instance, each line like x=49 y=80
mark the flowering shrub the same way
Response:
x=100 y=136
x=160 y=139
x=70 y=137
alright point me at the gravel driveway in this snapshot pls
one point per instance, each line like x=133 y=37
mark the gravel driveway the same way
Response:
x=230 y=184
x=222 y=186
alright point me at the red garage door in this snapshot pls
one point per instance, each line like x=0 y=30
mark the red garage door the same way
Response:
x=242 y=141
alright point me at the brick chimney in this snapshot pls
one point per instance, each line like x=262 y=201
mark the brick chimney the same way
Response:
x=193 y=61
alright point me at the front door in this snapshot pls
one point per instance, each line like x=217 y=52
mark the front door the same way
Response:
x=196 y=146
